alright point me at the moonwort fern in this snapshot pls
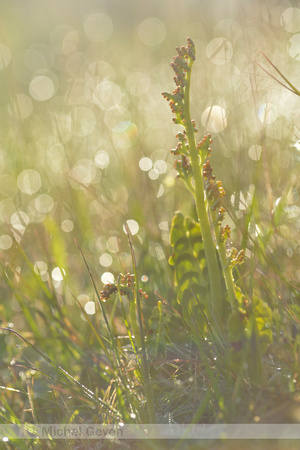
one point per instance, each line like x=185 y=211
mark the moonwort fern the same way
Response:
x=200 y=246
x=190 y=271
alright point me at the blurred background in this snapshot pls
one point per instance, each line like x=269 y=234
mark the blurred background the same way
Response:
x=85 y=137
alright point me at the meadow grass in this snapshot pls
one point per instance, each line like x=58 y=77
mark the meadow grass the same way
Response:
x=149 y=346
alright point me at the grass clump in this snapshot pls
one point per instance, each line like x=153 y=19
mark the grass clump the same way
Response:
x=222 y=348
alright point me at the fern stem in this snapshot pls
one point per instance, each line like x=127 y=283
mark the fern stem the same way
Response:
x=201 y=206
x=189 y=186
x=227 y=272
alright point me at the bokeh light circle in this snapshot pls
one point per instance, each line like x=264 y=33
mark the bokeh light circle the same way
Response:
x=98 y=27
x=29 y=181
x=219 y=51
x=153 y=174
x=83 y=173
x=132 y=225
x=107 y=95
x=145 y=164
x=40 y=267
x=41 y=88
x=67 y=226
x=254 y=152
x=19 y=220
x=5 y=242
x=58 y=274
x=267 y=113
x=125 y=134
x=107 y=277
x=99 y=69
x=290 y=20
x=57 y=38
x=294 y=47
x=160 y=166
x=39 y=57
x=44 y=203
x=90 y=308
x=101 y=159
x=214 y=119
x=152 y=31
x=105 y=260
x=5 y=56
x=112 y=244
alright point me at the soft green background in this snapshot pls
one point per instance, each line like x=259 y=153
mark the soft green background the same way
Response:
x=81 y=109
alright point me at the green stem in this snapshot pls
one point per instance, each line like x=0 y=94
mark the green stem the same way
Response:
x=189 y=186
x=227 y=272
x=208 y=242
x=137 y=304
x=125 y=318
x=134 y=322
